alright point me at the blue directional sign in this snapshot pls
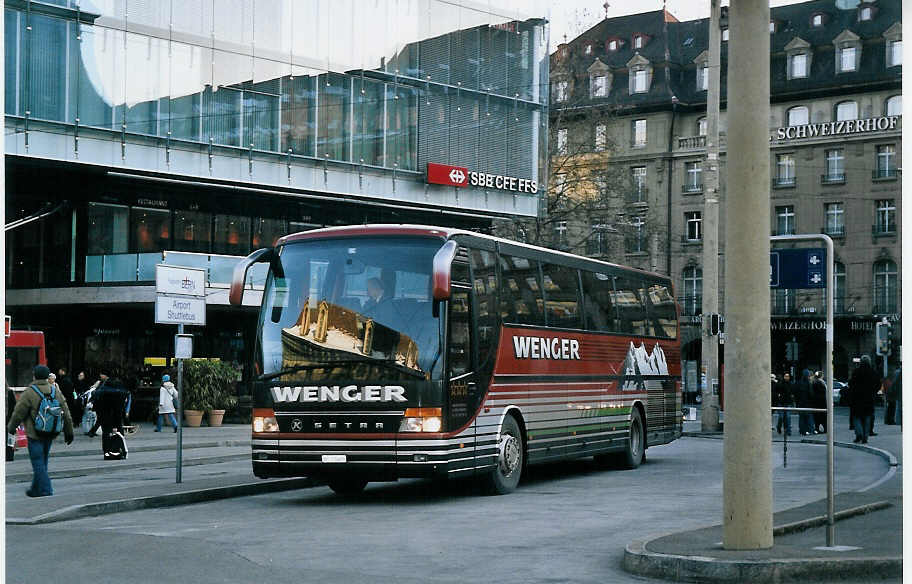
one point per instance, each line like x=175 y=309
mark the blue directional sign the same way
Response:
x=798 y=268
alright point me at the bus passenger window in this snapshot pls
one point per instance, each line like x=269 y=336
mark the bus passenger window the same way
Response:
x=597 y=301
x=561 y=296
x=627 y=298
x=521 y=301
x=460 y=345
x=485 y=284
x=663 y=317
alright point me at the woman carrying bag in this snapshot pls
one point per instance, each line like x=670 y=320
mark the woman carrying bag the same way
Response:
x=167 y=401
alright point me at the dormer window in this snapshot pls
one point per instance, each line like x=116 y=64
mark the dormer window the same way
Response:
x=846 y=59
x=588 y=49
x=612 y=45
x=798 y=52
x=598 y=86
x=772 y=26
x=640 y=74
x=638 y=41
x=702 y=63
x=560 y=91
x=848 y=51
x=701 y=126
x=817 y=20
x=798 y=65
x=865 y=13
x=893 y=38
x=599 y=79
x=640 y=81
x=724 y=34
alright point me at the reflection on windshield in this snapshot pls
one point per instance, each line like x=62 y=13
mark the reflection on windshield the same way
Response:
x=357 y=309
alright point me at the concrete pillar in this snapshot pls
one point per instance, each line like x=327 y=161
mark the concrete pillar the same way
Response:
x=747 y=484
x=709 y=413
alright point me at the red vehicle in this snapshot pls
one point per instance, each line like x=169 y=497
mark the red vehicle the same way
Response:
x=24 y=350
x=404 y=351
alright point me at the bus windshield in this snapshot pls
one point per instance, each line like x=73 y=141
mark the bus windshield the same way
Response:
x=350 y=309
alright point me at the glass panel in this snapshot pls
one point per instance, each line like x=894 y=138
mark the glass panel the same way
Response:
x=299 y=111
x=368 y=121
x=189 y=74
x=521 y=296
x=562 y=296
x=233 y=23
x=193 y=17
x=108 y=226
x=147 y=263
x=101 y=75
x=12 y=35
x=334 y=129
x=119 y=268
x=93 y=268
x=232 y=235
x=262 y=116
x=267 y=231
x=663 y=317
x=147 y=80
x=597 y=301
x=150 y=229
x=272 y=25
x=46 y=87
x=189 y=260
x=627 y=297
x=221 y=269
x=402 y=126
x=192 y=231
x=460 y=347
x=485 y=284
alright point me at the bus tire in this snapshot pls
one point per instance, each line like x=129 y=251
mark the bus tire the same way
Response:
x=635 y=451
x=505 y=476
x=347 y=486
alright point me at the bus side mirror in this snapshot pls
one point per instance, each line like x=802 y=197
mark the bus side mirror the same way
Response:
x=440 y=279
x=236 y=292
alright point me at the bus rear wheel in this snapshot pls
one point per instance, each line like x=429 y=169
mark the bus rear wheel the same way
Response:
x=347 y=486
x=510 y=452
x=635 y=451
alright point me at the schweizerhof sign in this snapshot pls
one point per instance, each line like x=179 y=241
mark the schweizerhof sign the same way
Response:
x=841 y=128
x=336 y=393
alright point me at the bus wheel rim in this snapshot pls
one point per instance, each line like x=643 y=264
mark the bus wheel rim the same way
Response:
x=509 y=454
x=635 y=438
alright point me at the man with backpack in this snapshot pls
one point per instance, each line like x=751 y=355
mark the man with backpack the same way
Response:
x=45 y=414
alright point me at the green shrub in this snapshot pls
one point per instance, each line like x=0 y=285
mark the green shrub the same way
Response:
x=209 y=385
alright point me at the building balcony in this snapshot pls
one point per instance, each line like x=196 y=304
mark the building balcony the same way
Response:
x=692 y=143
x=885 y=174
x=880 y=230
x=785 y=182
x=692 y=189
x=834 y=178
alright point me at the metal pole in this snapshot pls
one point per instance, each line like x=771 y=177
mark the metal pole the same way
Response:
x=747 y=480
x=709 y=413
x=180 y=410
x=831 y=430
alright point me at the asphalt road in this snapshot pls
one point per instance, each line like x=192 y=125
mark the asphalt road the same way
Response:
x=567 y=522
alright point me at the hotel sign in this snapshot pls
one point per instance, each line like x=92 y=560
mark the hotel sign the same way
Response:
x=842 y=128
x=460 y=176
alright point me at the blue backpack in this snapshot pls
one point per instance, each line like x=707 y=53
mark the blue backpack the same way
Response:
x=49 y=419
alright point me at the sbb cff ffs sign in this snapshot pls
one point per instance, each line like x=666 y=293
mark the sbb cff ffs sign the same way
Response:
x=444 y=174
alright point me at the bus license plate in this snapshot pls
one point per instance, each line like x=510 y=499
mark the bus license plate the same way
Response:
x=333 y=458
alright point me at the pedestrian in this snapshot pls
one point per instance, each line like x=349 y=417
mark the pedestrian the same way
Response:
x=167 y=394
x=10 y=405
x=69 y=392
x=889 y=385
x=819 y=397
x=97 y=390
x=897 y=387
x=39 y=445
x=864 y=384
x=804 y=399
x=784 y=398
x=80 y=387
x=111 y=406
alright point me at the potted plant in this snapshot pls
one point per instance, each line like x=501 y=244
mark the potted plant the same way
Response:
x=209 y=387
x=223 y=394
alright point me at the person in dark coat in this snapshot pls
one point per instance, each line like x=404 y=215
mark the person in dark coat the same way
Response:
x=782 y=397
x=111 y=406
x=864 y=385
x=67 y=389
x=893 y=390
x=10 y=405
x=819 y=391
x=804 y=399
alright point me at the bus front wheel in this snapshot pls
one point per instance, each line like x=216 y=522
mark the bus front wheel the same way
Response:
x=510 y=452
x=347 y=486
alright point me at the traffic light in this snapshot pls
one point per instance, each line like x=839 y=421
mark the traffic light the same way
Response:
x=884 y=335
x=714 y=324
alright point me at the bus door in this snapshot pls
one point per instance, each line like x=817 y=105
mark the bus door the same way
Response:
x=463 y=391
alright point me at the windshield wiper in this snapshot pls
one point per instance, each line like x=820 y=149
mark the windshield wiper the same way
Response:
x=328 y=364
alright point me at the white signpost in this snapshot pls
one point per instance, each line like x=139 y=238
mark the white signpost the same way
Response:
x=180 y=298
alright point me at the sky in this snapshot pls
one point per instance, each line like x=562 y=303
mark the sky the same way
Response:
x=572 y=17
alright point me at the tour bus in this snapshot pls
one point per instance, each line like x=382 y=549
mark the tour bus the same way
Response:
x=392 y=351
x=24 y=350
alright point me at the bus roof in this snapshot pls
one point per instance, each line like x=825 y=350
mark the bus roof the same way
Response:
x=443 y=233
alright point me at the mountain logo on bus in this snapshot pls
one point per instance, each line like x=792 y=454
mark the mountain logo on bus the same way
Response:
x=639 y=363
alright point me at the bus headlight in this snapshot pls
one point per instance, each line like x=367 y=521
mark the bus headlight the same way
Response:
x=264 y=420
x=422 y=420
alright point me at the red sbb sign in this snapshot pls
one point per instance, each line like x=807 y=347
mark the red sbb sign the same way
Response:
x=444 y=174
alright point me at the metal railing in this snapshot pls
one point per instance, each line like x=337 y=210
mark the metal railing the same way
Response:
x=783 y=182
x=833 y=178
x=692 y=188
x=884 y=173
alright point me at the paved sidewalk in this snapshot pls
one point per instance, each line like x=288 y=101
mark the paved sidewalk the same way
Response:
x=868 y=531
x=86 y=485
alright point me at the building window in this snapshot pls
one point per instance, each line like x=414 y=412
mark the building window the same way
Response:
x=562 y=140
x=865 y=13
x=640 y=81
x=598 y=237
x=817 y=20
x=785 y=169
x=797 y=116
x=150 y=229
x=798 y=65
x=724 y=34
x=886 y=217
x=694 y=222
x=894 y=106
x=835 y=219
x=636 y=241
x=772 y=26
x=839 y=272
x=694 y=177
x=785 y=220
x=560 y=91
x=701 y=126
x=638 y=178
x=886 y=161
x=588 y=50
x=598 y=86
x=560 y=238
x=638 y=41
x=847 y=110
x=847 y=56
x=894 y=53
x=785 y=301
x=613 y=45
x=703 y=77
x=231 y=235
x=835 y=166
x=639 y=133
x=885 y=285
x=693 y=291
x=601 y=137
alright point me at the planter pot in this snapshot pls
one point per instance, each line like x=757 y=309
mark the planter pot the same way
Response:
x=215 y=417
x=194 y=417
